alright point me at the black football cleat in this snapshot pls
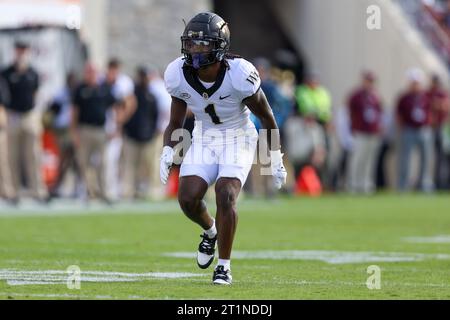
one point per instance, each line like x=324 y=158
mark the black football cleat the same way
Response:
x=206 y=250
x=222 y=276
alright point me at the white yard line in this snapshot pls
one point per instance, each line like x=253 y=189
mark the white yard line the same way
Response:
x=67 y=296
x=41 y=295
x=432 y=239
x=51 y=277
x=63 y=263
x=332 y=257
x=389 y=284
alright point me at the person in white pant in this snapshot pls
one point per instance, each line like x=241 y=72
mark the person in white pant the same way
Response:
x=163 y=101
x=221 y=91
x=365 y=112
x=123 y=91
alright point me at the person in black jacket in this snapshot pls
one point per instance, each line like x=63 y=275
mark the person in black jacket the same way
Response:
x=24 y=123
x=139 y=131
x=91 y=101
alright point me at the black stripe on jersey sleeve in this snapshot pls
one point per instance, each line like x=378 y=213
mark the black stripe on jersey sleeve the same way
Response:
x=259 y=88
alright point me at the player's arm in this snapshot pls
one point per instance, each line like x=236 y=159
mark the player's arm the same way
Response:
x=177 y=115
x=260 y=107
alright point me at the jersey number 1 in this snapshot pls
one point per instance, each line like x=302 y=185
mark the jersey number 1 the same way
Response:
x=211 y=110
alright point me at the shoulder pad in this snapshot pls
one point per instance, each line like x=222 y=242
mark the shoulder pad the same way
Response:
x=172 y=76
x=245 y=77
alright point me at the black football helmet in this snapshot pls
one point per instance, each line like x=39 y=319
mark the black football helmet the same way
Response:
x=205 y=40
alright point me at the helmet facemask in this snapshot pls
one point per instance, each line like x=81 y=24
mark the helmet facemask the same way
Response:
x=201 y=52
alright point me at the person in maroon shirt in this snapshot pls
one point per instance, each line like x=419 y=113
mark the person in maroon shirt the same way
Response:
x=414 y=123
x=439 y=107
x=365 y=112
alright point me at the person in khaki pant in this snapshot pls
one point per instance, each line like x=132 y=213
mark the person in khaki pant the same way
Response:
x=24 y=125
x=366 y=111
x=139 y=131
x=6 y=189
x=90 y=103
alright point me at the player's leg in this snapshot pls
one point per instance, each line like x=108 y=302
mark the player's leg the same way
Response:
x=231 y=177
x=227 y=192
x=191 y=191
x=198 y=171
x=235 y=163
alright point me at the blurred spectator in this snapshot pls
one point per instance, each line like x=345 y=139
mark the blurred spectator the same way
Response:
x=122 y=87
x=341 y=123
x=6 y=190
x=91 y=102
x=163 y=101
x=61 y=114
x=282 y=108
x=413 y=119
x=24 y=124
x=305 y=143
x=439 y=107
x=387 y=147
x=313 y=99
x=138 y=132
x=365 y=117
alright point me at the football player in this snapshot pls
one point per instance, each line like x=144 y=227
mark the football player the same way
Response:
x=221 y=90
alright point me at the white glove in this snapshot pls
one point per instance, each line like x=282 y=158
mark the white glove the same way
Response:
x=166 y=162
x=278 y=171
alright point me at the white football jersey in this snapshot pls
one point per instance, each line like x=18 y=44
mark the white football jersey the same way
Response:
x=219 y=107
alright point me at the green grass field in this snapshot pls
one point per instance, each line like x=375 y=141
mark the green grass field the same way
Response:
x=284 y=249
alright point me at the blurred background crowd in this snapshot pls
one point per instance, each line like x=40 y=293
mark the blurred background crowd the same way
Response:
x=83 y=122
x=367 y=131
x=103 y=132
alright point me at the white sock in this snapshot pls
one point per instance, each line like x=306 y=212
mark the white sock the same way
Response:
x=212 y=232
x=225 y=263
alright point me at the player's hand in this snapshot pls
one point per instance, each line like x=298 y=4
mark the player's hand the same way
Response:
x=166 y=162
x=278 y=171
